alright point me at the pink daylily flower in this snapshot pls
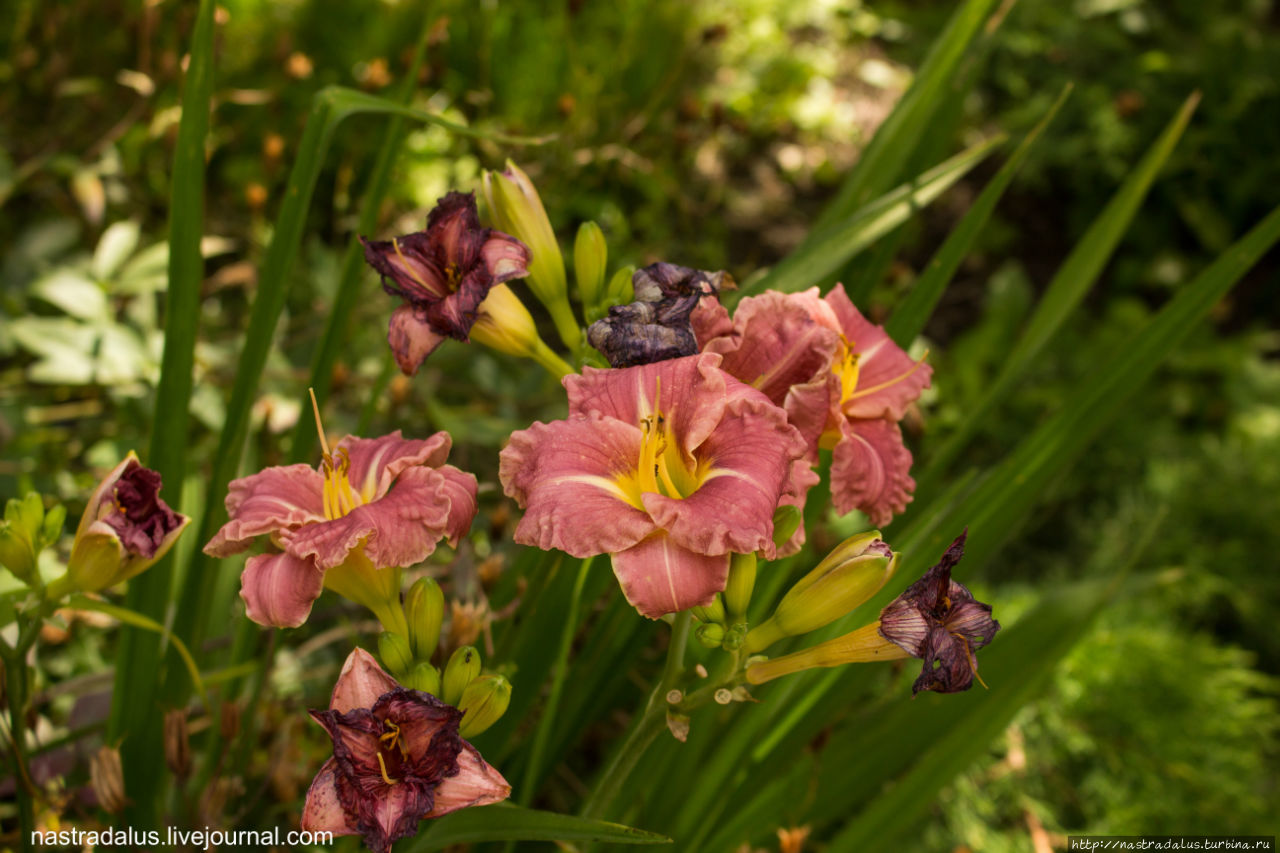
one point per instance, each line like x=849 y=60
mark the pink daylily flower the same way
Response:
x=397 y=759
x=444 y=274
x=374 y=504
x=669 y=467
x=843 y=382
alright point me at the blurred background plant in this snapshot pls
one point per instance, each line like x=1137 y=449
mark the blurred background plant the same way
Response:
x=711 y=134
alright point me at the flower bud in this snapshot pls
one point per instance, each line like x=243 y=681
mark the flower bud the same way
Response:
x=424 y=677
x=107 y=778
x=786 y=521
x=177 y=742
x=864 y=645
x=395 y=654
x=710 y=634
x=848 y=576
x=713 y=612
x=516 y=208
x=590 y=254
x=463 y=667
x=483 y=703
x=742 y=580
x=126 y=528
x=424 y=611
x=621 y=291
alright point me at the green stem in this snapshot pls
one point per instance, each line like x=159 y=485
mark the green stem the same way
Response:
x=646 y=729
x=566 y=325
x=554 y=364
x=16 y=676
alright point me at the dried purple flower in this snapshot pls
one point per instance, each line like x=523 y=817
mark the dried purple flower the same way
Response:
x=656 y=326
x=939 y=620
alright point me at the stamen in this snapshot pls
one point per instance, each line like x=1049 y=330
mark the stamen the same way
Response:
x=382 y=765
x=894 y=381
x=408 y=267
x=973 y=664
x=315 y=407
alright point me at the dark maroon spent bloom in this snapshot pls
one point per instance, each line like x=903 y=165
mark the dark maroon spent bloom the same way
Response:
x=390 y=759
x=939 y=620
x=443 y=274
x=140 y=518
x=656 y=326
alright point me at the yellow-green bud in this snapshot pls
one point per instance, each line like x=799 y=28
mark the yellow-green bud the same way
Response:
x=395 y=654
x=424 y=611
x=848 y=576
x=464 y=666
x=483 y=703
x=424 y=677
x=742 y=580
x=710 y=634
x=735 y=637
x=17 y=553
x=24 y=533
x=590 y=254
x=786 y=521
x=713 y=612
x=621 y=290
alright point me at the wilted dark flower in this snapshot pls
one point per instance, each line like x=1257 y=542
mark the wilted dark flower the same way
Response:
x=443 y=274
x=656 y=326
x=939 y=620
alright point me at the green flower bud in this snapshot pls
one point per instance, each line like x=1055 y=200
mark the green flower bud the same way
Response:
x=395 y=653
x=464 y=666
x=483 y=703
x=424 y=677
x=848 y=576
x=710 y=634
x=742 y=580
x=516 y=208
x=424 y=611
x=735 y=637
x=620 y=290
x=590 y=253
x=17 y=552
x=786 y=521
x=713 y=612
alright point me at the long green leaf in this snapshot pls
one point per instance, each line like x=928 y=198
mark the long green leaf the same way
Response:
x=908 y=319
x=1073 y=280
x=828 y=248
x=882 y=160
x=513 y=823
x=135 y=682
x=998 y=504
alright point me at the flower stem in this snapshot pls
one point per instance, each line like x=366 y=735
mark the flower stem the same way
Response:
x=566 y=324
x=554 y=364
x=15 y=682
x=646 y=729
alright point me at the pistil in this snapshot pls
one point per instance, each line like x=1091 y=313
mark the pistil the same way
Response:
x=337 y=495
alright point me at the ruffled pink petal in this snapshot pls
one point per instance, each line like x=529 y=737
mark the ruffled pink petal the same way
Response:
x=411 y=338
x=659 y=577
x=870 y=470
x=751 y=454
x=889 y=380
x=776 y=344
x=565 y=476
x=476 y=784
x=395 y=815
x=399 y=529
x=689 y=391
x=811 y=406
x=279 y=589
x=802 y=478
x=710 y=320
x=460 y=489
x=505 y=257
x=360 y=684
x=376 y=462
x=323 y=811
x=272 y=500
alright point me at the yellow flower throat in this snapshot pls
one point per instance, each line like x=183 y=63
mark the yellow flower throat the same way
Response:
x=661 y=469
x=338 y=497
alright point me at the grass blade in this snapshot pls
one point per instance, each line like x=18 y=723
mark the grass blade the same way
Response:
x=513 y=823
x=1074 y=278
x=882 y=161
x=131 y=709
x=908 y=320
x=826 y=249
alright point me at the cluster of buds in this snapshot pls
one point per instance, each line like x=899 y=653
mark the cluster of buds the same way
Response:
x=482 y=699
x=27 y=529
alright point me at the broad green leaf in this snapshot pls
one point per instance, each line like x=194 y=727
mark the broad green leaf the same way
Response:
x=138 y=677
x=74 y=293
x=826 y=249
x=1074 y=278
x=513 y=823
x=891 y=147
x=907 y=321
x=118 y=242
